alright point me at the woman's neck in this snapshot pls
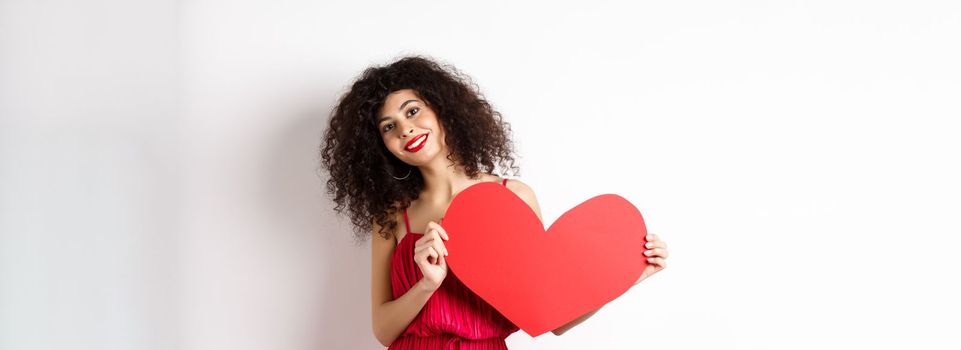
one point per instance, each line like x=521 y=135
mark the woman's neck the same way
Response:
x=443 y=180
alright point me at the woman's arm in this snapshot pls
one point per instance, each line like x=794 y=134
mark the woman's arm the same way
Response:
x=560 y=330
x=391 y=317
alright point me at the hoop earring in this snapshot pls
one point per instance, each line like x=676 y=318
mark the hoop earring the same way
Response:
x=401 y=178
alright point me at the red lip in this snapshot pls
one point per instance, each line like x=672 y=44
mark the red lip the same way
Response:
x=413 y=140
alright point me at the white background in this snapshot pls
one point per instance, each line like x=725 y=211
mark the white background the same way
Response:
x=159 y=182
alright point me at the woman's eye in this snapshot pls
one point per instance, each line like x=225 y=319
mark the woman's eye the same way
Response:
x=410 y=112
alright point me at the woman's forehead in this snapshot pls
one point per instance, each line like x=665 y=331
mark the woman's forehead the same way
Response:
x=399 y=96
x=397 y=99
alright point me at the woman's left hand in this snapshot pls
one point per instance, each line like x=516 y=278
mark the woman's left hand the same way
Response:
x=656 y=253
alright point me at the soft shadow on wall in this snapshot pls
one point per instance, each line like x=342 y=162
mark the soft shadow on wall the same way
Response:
x=328 y=271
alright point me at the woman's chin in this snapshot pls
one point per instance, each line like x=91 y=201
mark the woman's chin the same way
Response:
x=422 y=157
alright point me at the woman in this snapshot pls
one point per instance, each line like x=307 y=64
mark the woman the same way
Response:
x=402 y=142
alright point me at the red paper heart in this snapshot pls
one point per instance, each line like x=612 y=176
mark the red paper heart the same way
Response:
x=541 y=280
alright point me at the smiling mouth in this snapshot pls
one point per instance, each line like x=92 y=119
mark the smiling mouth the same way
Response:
x=416 y=143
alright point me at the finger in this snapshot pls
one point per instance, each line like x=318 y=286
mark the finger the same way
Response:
x=657 y=261
x=423 y=237
x=421 y=254
x=421 y=244
x=655 y=244
x=425 y=252
x=440 y=230
x=420 y=249
x=656 y=252
x=652 y=237
x=423 y=240
x=432 y=233
x=433 y=255
x=440 y=247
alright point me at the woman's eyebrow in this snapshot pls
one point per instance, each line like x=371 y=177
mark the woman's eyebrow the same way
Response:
x=398 y=109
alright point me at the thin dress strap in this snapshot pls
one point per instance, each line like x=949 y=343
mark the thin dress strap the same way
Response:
x=505 y=182
x=406 y=220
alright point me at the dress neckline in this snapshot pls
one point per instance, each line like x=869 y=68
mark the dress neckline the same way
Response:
x=407 y=220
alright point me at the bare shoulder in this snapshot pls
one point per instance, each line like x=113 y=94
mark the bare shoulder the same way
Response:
x=520 y=188
x=526 y=193
x=376 y=236
x=395 y=235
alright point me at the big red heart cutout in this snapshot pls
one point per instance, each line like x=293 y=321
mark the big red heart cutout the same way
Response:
x=541 y=280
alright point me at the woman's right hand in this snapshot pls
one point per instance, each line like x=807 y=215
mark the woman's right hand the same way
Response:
x=429 y=254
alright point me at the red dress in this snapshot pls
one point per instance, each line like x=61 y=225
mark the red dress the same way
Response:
x=453 y=318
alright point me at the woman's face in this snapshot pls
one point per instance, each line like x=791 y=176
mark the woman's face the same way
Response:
x=410 y=128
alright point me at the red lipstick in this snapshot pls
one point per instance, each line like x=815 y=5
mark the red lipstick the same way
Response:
x=420 y=144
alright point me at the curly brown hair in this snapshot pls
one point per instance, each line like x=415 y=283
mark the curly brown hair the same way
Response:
x=360 y=164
